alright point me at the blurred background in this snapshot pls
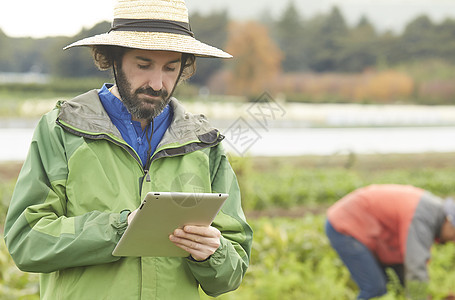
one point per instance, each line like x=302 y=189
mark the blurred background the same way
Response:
x=334 y=95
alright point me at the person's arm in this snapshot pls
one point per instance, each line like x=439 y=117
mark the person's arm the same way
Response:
x=419 y=242
x=38 y=234
x=223 y=271
x=425 y=225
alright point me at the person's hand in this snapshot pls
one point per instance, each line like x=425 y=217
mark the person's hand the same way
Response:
x=199 y=241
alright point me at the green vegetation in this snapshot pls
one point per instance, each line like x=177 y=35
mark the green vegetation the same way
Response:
x=285 y=201
x=270 y=183
x=292 y=259
x=14 y=284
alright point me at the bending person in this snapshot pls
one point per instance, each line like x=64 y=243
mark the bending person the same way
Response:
x=394 y=226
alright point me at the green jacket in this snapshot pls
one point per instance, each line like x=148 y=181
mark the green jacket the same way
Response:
x=65 y=217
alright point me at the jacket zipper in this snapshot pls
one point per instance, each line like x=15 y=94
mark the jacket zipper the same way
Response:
x=149 y=152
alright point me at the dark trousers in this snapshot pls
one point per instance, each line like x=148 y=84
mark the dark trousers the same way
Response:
x=366 y=271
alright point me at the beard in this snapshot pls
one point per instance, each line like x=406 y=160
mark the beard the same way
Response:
x=143 y=109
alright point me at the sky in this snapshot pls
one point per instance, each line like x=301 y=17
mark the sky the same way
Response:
x=31 y=18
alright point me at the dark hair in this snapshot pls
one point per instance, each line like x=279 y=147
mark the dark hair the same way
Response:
x=105 y=56
x=189 y=66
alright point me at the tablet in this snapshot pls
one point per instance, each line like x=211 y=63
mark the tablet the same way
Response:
x=159 y=215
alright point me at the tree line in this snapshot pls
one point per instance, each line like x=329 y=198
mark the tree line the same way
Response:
x=327 y=43
x=320 y=44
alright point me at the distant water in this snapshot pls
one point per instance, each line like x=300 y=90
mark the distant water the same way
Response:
x=15 y=143
x=327 y=141
x=295 y=141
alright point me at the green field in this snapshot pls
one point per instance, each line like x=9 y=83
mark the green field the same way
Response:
x=285 y=201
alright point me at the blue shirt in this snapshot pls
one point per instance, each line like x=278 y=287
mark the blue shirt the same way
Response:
x=130 y=130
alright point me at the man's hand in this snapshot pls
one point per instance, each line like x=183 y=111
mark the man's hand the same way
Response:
x=199 y=241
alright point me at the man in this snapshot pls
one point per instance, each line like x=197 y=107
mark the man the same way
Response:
x=93 y=159
x=389 y=225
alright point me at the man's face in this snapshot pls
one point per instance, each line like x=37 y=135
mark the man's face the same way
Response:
x=146 y=80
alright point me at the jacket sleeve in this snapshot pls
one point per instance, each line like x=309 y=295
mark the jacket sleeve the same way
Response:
x=422 y=232
x=418 y=246
x=224 y=270
x=39 y=235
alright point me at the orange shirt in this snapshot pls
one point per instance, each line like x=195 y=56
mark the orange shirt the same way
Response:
x=379 y=217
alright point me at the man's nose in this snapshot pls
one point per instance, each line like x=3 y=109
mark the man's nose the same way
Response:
x=155 y=80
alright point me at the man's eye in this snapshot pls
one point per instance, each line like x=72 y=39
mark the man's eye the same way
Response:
x=143 y=67
x=170 y=69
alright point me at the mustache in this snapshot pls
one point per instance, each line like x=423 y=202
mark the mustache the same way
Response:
x=151 y=92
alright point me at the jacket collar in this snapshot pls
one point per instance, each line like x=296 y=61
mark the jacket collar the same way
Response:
x=85 y=113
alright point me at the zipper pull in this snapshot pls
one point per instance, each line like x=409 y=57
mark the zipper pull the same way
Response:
x=149 y=151
x=147 y=176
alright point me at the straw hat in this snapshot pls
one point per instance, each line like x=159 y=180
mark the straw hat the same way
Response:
x=152 y=25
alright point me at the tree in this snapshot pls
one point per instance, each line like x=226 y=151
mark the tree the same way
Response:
x=418 y=40
x=211 y=29
x=388 y=50
x=359 y=49
x=327 y=41
x=445 y=39
x=6 y=53
x=76 y=62
x=289 y=31
x=257 y=58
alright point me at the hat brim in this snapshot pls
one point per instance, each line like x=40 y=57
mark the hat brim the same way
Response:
x=153 y=41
